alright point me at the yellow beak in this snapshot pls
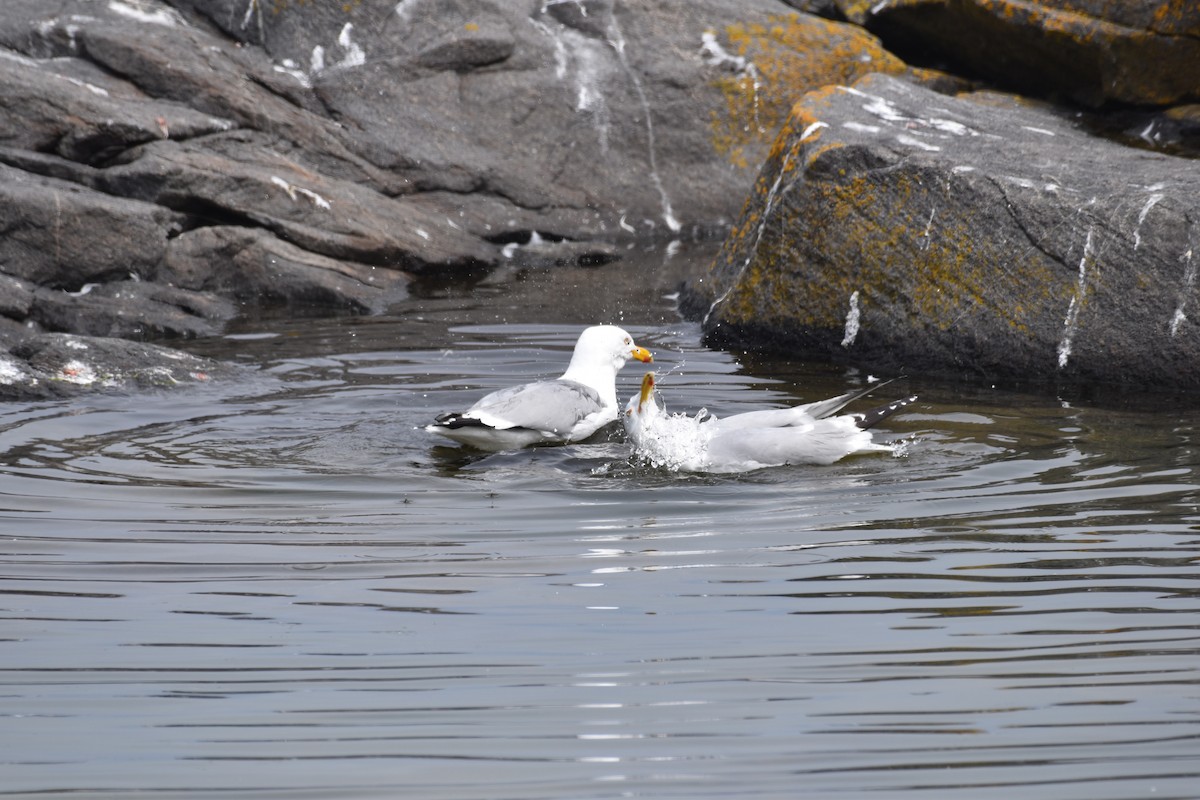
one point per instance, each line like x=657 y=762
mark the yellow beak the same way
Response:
x=641 y=354
x=647 y=390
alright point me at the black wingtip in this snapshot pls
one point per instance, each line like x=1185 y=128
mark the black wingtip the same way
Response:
x=877 y=415
x=455 y=420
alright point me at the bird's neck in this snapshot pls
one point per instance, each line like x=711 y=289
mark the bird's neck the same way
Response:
x=602 y=380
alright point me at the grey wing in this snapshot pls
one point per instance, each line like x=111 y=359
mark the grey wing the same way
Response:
x=826 y=408
x=768 y=418
x=796 y=416
x=552 y=406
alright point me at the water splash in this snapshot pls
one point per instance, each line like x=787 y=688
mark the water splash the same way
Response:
x=675 y=442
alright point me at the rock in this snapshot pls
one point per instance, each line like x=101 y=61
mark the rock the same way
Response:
x=624 y=109
x=130 y=310
x=62 y=235
x=901 y=230
x=258 y=270
x=72 y=108
x=169 y=165
x=1090 y=51
x=16 y=297
x=59 y=364
x=192 y=160
x=242 y=179
x=772 y=62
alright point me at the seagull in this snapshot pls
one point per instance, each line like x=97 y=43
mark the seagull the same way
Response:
x=805 y=434
x=567 y=409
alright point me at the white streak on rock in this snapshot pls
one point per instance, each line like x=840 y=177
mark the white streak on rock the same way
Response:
x=852 y=320
x=951 y=127
x=289 y=67
x=912 y=141
x=879 y=107
x=925 y=237
x=10 y=371
x=561 y=53
x=758 y=234
x=1177 y=319
x=1042 y=131
x=1024 y=183
x=163 y=16
x=9 y=55
x=861 y=128
x=355 y=55
x=1071 y=323
x=617 y=41
x=85 y=289
x=404 y=8
x=811 y=129
x=1189 y=286
x=294 y=192
x=713 y=54
x=1151 y=202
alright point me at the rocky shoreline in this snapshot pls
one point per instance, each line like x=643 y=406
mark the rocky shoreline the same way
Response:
x=168 y=166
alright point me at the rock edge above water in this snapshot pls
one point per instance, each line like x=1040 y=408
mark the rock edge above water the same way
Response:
x=899 y=229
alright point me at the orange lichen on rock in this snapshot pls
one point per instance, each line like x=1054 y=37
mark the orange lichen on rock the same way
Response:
x=919 y=261
x=782 y=58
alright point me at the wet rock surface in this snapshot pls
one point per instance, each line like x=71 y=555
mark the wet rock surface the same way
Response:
x=62 y=364
x=904 y=230
x=169 y=165
x=1087 y=51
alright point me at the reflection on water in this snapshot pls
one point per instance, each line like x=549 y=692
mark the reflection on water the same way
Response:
x=285 y=588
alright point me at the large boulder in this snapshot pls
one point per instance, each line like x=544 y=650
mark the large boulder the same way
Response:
x=1089 y=51
x=168 y=164
x=901 y=229
x=61 y=234
x=62 y=364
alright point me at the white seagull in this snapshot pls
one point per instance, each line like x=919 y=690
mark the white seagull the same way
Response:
x=806 y=434
x=567 y=409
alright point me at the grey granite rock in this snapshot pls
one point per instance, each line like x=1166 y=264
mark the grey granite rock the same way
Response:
x=899 y=229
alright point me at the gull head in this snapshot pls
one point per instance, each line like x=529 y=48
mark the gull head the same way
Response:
x=643 y=407
x=601 y=348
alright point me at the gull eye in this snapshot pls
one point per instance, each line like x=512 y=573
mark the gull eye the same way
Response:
x=628 y=340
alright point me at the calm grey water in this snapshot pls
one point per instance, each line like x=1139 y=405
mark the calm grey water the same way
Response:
x=282 y=587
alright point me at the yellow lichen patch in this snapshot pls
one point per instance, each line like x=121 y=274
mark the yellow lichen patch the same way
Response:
x=904 y=247
x=1177 y=17
x=784 y=57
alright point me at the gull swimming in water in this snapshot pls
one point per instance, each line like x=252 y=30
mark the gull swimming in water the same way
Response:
x=805 y=434
x=567 y=409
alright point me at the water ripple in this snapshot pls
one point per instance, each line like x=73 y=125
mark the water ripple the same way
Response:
x=242 y=591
